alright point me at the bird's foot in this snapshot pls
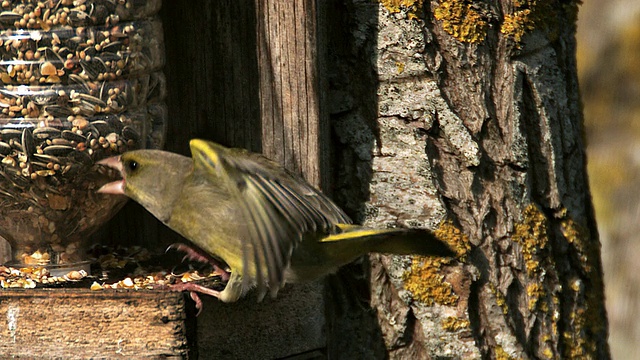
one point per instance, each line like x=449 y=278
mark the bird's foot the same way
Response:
x=193 y=290
x=200 y=256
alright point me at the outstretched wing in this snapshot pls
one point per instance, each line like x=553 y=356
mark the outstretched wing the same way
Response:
x=278 y=209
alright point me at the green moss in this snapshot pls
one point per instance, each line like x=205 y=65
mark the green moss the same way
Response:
x=461 y=20
x=413 y=8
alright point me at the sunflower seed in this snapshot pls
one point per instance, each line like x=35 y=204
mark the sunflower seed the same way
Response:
x=72 y=136
x=58 y=150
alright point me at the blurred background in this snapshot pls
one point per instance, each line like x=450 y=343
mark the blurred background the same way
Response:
x=609 y=71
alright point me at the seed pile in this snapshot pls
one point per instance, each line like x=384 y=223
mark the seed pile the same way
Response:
x=157 y=280
x=30 y=277
x=132 y=268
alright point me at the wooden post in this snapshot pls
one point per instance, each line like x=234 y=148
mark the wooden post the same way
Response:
x=295 y=130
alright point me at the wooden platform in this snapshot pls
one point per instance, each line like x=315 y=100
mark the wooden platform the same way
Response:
x=80 y=323
x=145 y=324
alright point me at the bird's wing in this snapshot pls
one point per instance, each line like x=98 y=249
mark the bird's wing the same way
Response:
x=278 y=209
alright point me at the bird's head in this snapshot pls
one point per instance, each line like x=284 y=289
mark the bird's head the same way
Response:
x=153 y=178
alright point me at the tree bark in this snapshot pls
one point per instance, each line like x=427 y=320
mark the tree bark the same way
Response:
x=490 y=90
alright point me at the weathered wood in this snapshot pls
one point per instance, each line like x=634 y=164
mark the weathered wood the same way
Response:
x=280 y=328
x=80 y=324
x=294 y=130
x=212 y=73
x=220 y=89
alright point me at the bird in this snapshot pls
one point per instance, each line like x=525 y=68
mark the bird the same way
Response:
x=258 y=224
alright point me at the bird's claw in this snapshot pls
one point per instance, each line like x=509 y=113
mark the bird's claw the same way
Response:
x=193 y=290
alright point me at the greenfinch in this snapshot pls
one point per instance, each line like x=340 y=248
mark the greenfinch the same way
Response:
x=247 y=212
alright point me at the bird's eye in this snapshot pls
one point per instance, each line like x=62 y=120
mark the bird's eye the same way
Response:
x=132 y=165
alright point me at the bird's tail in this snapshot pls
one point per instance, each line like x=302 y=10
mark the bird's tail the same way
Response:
x=398 y=241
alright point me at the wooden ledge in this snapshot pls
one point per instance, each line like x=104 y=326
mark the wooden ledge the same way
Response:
x=80 y=323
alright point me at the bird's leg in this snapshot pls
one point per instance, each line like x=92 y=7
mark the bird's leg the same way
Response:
x=193 y=290
x=201 y=256
x=232 y=291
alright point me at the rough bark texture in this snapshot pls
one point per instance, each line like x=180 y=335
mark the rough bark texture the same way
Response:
x=490 y=90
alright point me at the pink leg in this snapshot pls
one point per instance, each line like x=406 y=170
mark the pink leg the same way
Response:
x=201 y=256
x=193 y=290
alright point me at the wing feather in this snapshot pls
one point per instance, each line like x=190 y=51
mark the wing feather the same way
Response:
x=279 y=209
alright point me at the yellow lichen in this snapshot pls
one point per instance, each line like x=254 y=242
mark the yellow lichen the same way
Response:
x=577 y=235
x=400 y=66
x=530 y=14
x=413 y=8
x=501 y=354
x=461 y=20
x=500 y=299
x=453 y=324
x=517 y=24
x=426 y=284
x=586 y=318
x=535 y=291
x=577 y=345
x=424 y=280
x=531 y=234
x=453 y=236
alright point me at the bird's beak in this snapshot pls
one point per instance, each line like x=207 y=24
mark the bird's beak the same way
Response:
x=114 y=187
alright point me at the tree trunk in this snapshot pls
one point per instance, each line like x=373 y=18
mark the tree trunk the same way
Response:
x=465 y=117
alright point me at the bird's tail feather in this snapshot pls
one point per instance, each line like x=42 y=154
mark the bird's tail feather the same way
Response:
x=398 y=241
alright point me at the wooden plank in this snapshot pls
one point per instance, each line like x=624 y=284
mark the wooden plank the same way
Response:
x=80 y=323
